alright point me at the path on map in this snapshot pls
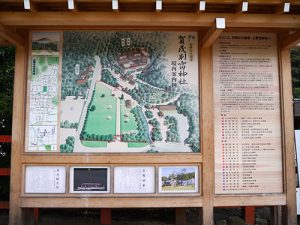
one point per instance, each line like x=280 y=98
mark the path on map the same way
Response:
x=96 y=77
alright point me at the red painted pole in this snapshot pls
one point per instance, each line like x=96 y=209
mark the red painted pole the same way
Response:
x=5 y=172
x=4 y=205
x=5 y=138
x=250 y=215
x=105 y=217
x=36 y=215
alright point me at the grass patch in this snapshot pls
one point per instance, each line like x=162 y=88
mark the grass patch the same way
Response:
x=94 y=144
x=102 y=120
x=52 y=60
x=128 y=122
x=42 y=60
x=137 y=144
x=178 y=188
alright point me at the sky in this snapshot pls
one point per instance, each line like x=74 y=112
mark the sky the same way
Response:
x=166 y=171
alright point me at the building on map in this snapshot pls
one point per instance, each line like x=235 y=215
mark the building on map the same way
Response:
x=85 y=75
x=136 y=58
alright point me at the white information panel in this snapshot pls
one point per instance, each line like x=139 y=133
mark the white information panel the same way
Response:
x=45 y=179
x=134 y=179
x=247 y=122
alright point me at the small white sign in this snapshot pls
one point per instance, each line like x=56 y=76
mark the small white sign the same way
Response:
x=178 y=179
x=134 y=179
x=45 y=179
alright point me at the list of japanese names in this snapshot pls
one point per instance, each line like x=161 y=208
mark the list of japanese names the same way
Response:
x=247 y=127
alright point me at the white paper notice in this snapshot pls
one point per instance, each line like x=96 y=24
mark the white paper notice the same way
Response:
x=134 y=179
x=45 y=179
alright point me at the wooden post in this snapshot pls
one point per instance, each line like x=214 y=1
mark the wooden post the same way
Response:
x=290 y=212
x=207 y=134
x=275 y=215
x=27 y=216
x=200 y=216
x=249 y=215
x=36 y=215
x=105 y=216
x=180 y=216
x=17 y=136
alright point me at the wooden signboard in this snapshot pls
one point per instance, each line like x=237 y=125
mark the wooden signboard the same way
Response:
x=248 y=150
x=139 y=113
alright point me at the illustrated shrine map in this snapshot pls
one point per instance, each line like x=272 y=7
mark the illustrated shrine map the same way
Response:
x=119 y=92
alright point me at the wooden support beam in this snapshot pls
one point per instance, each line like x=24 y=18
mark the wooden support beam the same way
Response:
x=105 y=217
x=11 y=36
x=180 y=216
x=4 y=43
x=18 y=130
x=5 y=138
x=207 y=137
x=211 y=35
x=289 y=210
x=5 y=172
x=291 y=41
x=141 y=19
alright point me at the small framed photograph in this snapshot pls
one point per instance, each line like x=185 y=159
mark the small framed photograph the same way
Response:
x=84 y=179
x=134 y=179
x=178 y=179
x=45 y=179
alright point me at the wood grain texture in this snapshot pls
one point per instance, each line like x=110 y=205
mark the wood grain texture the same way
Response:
x=211 y=36
x=138 y=19
x=11 y=36
x=125 y=202
x=246 y=200
x=292 y=40
x=18 y=130
x=290 y=212
x=207 y=134
x=42 y=158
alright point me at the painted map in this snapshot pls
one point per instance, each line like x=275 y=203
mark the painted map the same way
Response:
x=43 y=93
x=129 y=92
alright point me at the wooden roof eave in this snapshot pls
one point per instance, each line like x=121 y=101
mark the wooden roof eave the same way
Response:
x=148 y=19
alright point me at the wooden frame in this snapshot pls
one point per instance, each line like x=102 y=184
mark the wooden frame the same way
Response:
x=138 y=21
